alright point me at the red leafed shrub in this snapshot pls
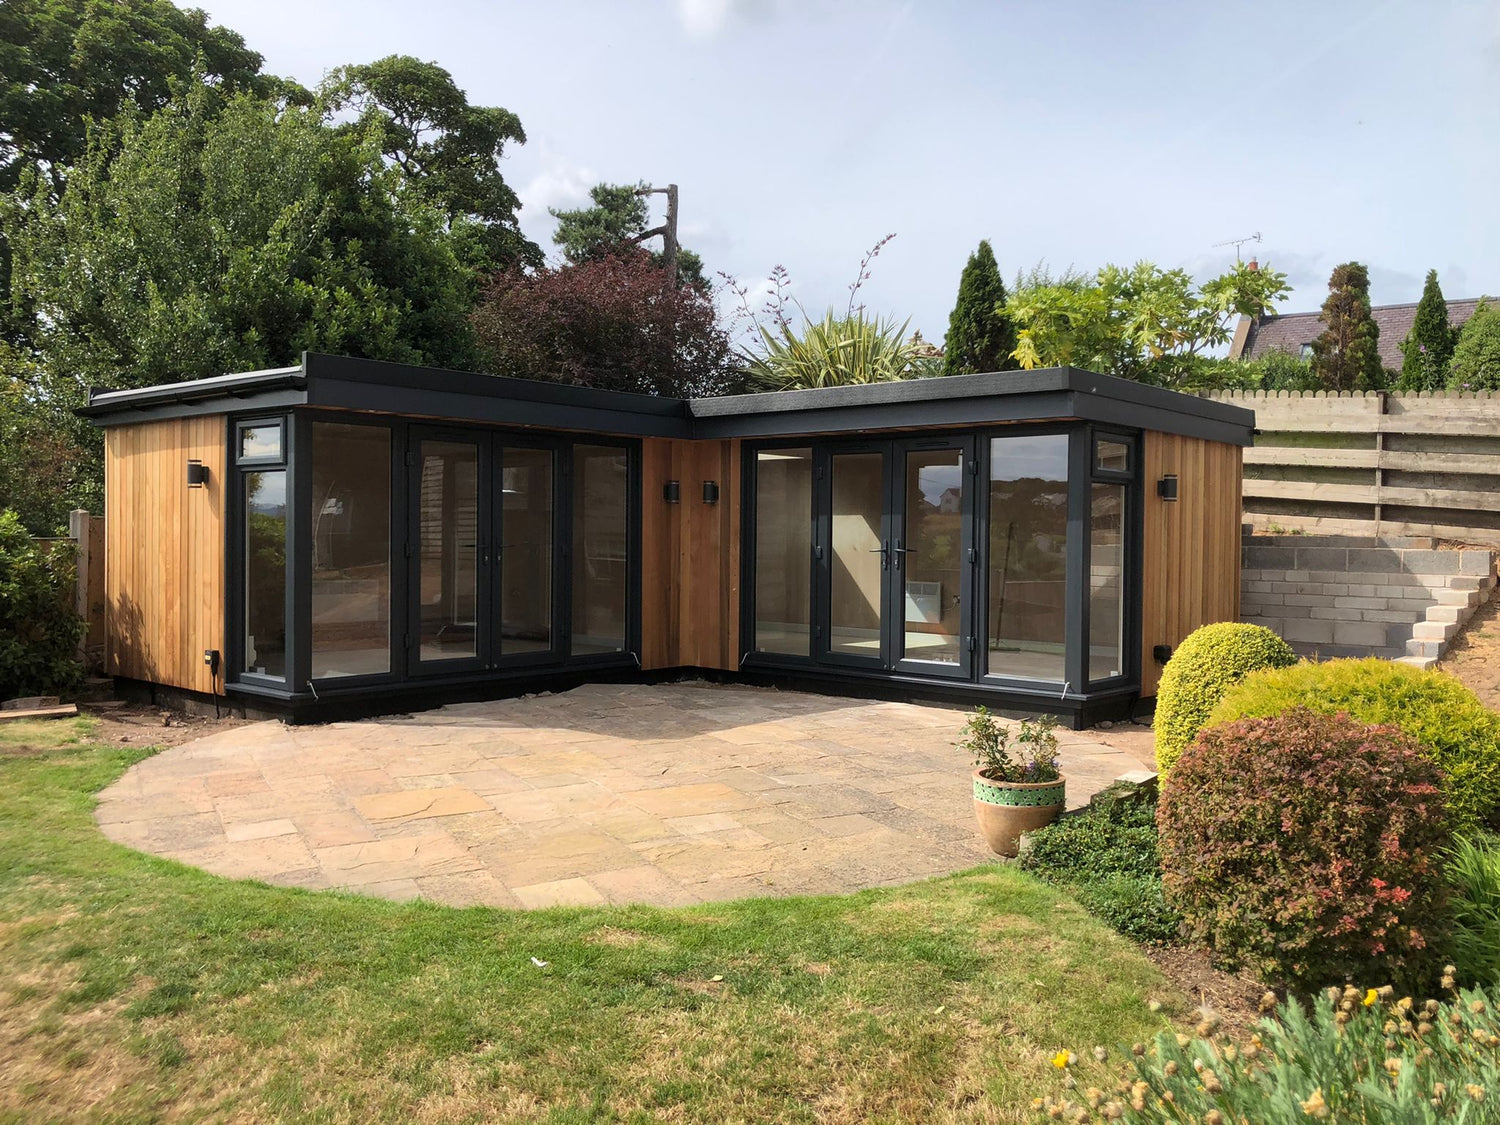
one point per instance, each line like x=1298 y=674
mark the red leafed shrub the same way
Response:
x=1308 y=847
x=616 y=322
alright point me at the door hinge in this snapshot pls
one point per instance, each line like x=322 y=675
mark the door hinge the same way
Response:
x=406 y=548
x=406 y=640
x=410 y=458
x=973 y=555
x=973 y=466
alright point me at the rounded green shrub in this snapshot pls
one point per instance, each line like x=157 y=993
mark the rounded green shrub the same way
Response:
x=1210 y=661
x=1309 y=848
x=1460 y=734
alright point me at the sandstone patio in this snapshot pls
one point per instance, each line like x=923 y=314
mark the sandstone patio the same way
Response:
x=669 y=795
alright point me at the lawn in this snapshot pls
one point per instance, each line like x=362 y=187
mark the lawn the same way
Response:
x=136 y=989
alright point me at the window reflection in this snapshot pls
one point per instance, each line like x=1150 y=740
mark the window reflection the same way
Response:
x=1028 y=499
x=351 y=548
x=526 y=551
x=1106 y=581
x=783 y=551
x=600 y=480
x=265 y=573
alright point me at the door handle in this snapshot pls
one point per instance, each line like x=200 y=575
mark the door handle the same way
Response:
x=882 y=551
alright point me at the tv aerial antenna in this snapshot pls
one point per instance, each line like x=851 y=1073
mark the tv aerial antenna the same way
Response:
x=1238 y=242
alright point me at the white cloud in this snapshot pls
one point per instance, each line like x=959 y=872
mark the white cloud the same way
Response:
x=707 y=19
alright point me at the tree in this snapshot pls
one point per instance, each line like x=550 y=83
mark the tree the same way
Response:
x=41 y=475
x=1143 y=323
x=447 y=151
x=1428 y=347
x=228 y=234
x=616 y=222
x=1476 y=357
x=615 y=321
x=67 y=64
x=980 y=334
x=1346 y=357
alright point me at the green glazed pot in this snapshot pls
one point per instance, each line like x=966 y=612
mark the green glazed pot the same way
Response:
x=1004 y=810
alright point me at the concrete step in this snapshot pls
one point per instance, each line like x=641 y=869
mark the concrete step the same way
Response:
x=1446 y=614
x=1450 y=596
x=1434 y=630
x=1425 y=649
x=1422 y=662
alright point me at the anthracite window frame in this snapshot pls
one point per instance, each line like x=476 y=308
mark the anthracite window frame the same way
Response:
x=1083 y=471
x=235 y=607
x=492 y=666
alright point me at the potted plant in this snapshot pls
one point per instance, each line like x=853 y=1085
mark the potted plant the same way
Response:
x=1016 y=786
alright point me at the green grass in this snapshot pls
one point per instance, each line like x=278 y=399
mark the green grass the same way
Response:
x=135 y=989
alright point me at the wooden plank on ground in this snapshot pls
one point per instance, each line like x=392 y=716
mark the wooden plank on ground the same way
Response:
x=62 y=712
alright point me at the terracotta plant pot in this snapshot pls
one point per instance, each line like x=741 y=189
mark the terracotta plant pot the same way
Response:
x=1006 y=809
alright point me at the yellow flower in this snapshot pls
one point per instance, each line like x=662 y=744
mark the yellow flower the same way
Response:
x=1370 y=997
x=1062 y=1059
x=1315 y=1106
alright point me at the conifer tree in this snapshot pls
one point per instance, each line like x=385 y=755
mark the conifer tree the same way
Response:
x=1428 y=348
x=1346 y=357
x=980 y=334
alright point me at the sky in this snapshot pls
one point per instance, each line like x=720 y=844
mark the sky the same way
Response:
x=800 y=132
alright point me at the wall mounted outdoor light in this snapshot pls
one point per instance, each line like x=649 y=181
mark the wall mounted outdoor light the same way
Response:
x=671 y=492
x=1166 y=488
x=710 y=492
x=197 y=474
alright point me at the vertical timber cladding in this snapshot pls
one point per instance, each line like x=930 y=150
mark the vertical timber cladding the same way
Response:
x=690 y=567
x=164 y=551
x=1191 y=558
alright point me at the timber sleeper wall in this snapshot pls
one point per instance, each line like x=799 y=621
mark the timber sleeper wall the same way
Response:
x=164 y=551
x=1375 y=463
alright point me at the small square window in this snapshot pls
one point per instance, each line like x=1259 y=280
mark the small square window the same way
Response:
x=261 y=441
x=1306 y=352
x=1112 y=456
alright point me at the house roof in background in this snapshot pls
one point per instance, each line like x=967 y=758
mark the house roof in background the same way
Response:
x=1289 y=332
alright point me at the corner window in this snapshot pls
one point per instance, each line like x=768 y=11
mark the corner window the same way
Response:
x=600 y=562
x=783 y=550
x=1113 y=472
x=1026 y=634
x=1111 y=456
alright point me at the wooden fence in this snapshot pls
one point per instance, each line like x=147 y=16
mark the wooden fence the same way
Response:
x=1374 y=463
x=86 y=537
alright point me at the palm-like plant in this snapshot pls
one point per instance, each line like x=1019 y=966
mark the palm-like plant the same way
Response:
x=835 y=352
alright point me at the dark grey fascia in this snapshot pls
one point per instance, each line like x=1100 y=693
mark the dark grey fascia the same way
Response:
x=343 y=383
x=273 y=389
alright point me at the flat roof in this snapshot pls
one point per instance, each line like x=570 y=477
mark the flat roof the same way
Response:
x=347 y=383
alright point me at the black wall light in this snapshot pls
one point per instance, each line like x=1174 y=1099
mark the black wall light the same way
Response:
x=671 y=492
x=1166 y=488
x=710 y=492
x=197 y=474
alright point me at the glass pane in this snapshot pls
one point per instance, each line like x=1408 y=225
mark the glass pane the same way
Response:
x=526 y=551
x=261 y=443
x=265 y=573
x=351 y=549
x=783 y=551
x=600 y=475
x=1106 y=581
x=854 y=597
x=934 y=538
x=1028 y=556
x=1112 y=456
x=448 y=559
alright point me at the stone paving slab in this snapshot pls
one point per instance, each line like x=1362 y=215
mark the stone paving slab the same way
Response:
x=670 y=794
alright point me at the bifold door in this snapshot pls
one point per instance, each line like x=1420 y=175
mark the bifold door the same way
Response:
x=482 y=552
x=894 y=556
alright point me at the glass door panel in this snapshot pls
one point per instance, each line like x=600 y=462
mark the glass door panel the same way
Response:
x=783 y=551
x=449 y=561
x=526 y=536
x=1026 y=632
x=600 y=564
x=931 y=561
x=859 y=559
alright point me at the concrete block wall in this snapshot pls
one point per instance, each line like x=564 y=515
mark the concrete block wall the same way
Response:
x=1335 y=595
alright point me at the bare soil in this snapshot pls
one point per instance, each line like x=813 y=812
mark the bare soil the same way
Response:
x=138 y=724
x=1233 y=997
x=1475 y=654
